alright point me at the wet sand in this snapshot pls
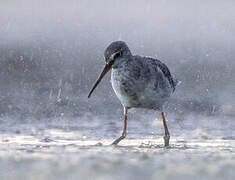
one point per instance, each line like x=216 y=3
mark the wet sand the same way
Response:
x=58 y=155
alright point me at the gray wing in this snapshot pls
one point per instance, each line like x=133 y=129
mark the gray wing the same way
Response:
x=165 y=70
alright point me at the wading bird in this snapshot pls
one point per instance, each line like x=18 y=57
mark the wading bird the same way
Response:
x=138 y=82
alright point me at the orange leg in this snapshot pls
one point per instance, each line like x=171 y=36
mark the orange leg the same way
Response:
x=124 y=128
x=167 y=134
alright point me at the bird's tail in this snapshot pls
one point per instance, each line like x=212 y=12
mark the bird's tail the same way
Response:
x=176 y=82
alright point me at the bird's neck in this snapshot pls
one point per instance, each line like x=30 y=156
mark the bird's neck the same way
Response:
x=120 y=62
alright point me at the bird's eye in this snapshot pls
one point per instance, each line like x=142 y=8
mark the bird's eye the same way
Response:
x=117 y=55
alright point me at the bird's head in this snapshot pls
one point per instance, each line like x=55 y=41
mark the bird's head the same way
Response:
x=116 y=50
x=113 y=52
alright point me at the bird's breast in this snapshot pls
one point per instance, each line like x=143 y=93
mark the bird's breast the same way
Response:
x=124 y=87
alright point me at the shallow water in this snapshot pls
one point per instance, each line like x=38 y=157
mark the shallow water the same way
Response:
x=63 y=150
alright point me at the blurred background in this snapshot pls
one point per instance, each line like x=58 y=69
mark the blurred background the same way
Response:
x=51 y=53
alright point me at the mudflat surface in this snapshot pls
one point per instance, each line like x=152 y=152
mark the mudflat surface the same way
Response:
x=38 y=151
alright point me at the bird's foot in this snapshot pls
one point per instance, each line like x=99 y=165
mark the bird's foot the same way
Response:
x=118 y=140
x=166 y=140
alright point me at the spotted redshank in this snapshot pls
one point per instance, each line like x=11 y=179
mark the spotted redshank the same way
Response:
x=138 y=82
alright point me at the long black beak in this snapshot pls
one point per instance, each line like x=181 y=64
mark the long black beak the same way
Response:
x=105 y=70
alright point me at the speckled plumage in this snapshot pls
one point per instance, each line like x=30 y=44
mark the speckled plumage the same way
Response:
x=138 y=82
x=142 y=82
